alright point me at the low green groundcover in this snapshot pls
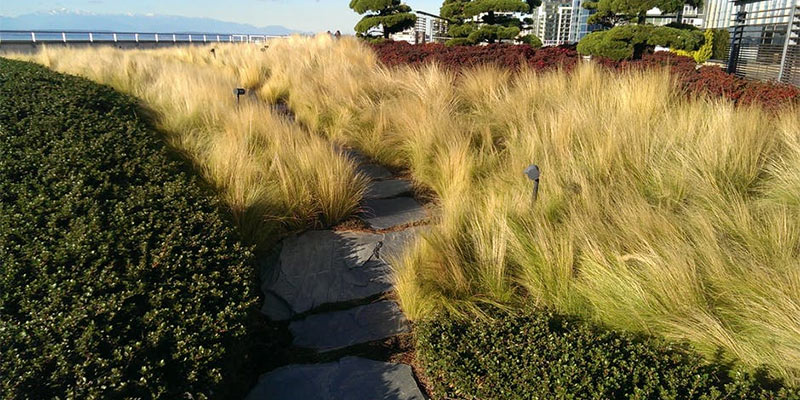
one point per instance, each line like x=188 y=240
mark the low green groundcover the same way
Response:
x=119 y=277
x=541 y=355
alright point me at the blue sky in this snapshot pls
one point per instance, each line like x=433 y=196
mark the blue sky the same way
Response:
x=303 y=15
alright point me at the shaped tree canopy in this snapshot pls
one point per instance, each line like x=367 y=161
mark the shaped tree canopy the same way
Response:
x=631 y=41
x=391 y=16
x=489 y=26
x=626 y=41
x=612 y=12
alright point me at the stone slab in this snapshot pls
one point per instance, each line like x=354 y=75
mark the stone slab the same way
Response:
x=340 y=329
x=395 y=243
x=322 y=267
x=388 y=188
x=350 y=378
x=374 y=171
x=388 y=213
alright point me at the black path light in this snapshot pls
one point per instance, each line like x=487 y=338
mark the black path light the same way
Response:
x=533 y=174
x=238 y=92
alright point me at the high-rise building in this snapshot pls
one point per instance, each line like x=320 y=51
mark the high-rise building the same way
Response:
x=416 y=34
x=421 y=25
x=557 y=21
x=582 y=27
x=421 y=30
x=579 y=24
x=691 y=16
x=438 y=29
x=717 y=14
x=720 y=13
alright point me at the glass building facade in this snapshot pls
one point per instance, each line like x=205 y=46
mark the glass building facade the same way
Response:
x=720 y=13
x=561 y=21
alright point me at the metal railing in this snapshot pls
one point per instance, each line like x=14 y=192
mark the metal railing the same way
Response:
x=44 y=36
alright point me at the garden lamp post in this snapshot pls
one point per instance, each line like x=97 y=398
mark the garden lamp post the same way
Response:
x=238 y=92
x=533 y=174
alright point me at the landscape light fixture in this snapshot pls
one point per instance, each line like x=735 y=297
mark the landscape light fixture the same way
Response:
x=533 y=174
x=238 y=92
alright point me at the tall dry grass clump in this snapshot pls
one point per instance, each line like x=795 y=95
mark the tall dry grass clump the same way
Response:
x=656 y=213
x=274 y=176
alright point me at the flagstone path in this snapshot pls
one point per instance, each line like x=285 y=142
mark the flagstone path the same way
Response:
x=332 y=287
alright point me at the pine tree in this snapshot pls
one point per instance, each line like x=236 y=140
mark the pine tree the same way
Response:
x=391 y=16
x=613 y=12
x=489 y=26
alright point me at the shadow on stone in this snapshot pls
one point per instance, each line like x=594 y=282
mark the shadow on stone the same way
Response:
x=389 y=213
x=352 y=378
x=388 y=189
x=374 y=171
x=340 y=329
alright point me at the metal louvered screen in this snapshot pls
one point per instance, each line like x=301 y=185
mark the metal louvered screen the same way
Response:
x=765 y=40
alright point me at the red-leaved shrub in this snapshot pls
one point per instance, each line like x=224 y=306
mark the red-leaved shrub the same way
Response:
x=715 y=82
x=694 y=81
x=457 y=57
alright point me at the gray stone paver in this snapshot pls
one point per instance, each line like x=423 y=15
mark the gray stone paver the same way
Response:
x=374 y=171
x=321 y=267
x=388 y=188
x=325 y=267
x=395 y=243
x=389 y=213
x=351 y=378
x=339 y=329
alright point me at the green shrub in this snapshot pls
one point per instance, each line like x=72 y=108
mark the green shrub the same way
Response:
x=722 y=44
x=458 y=42
x=543 y=355
x=633 y=41
x=119 y=278
x=601 y=44
x=681 y=39
x=703 y=53
x=531 y=40
x=492 y=33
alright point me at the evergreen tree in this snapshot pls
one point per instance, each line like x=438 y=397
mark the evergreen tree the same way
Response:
x=391 y=16
x=489 y=27
x=613 y=12
x=625 y=40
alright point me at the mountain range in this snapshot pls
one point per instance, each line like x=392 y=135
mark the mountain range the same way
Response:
x=83 y=21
